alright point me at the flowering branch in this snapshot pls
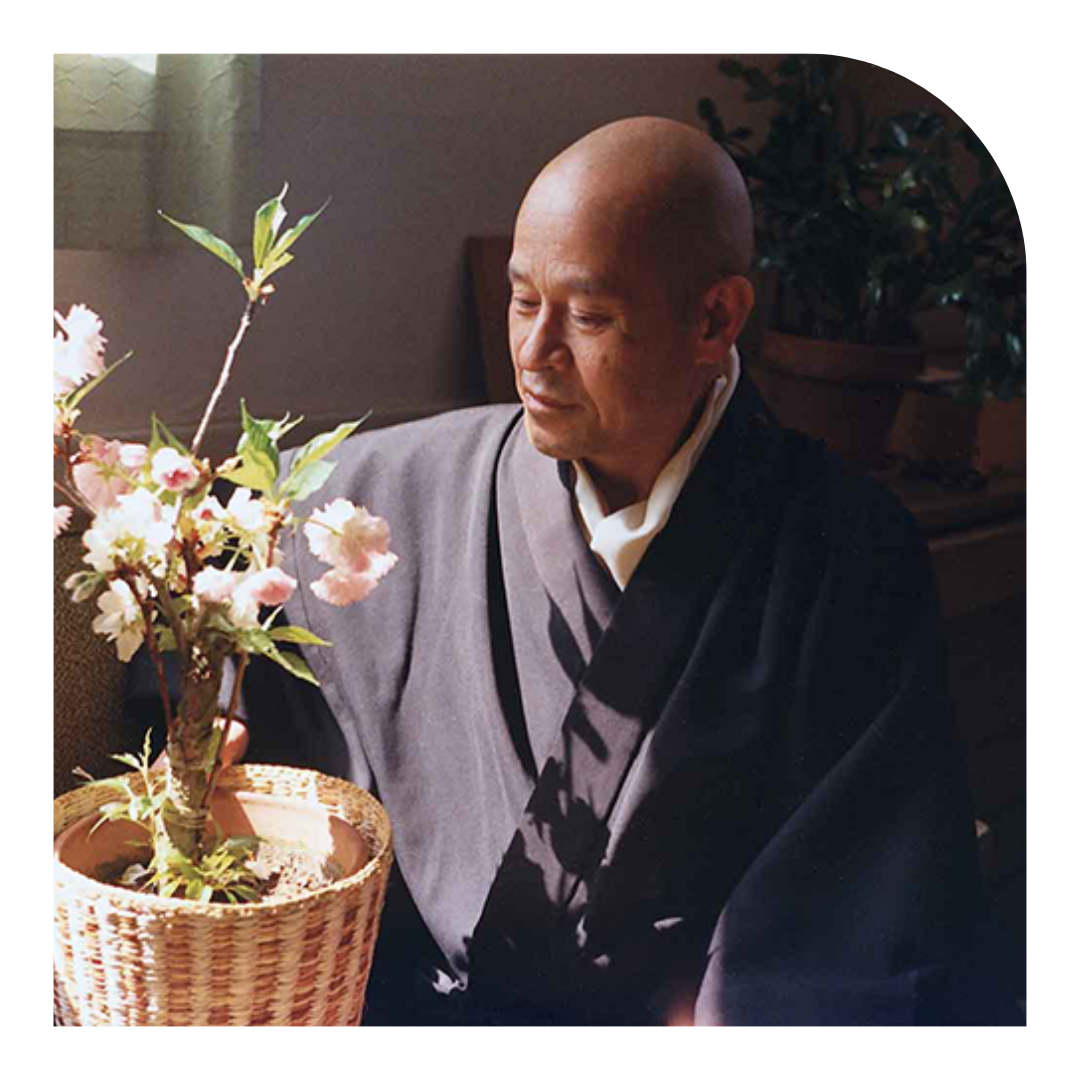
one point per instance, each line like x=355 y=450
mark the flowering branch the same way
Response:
x=175 y=568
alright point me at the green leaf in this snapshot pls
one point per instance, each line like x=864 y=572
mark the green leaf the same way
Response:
x=305 y=480
x=209 y=241
x=290 y=236
x=256 y=471
x=297 y=635
x=294 y=664
x=308 y=472
x=283 y=427
x=161 y=436
x=321 y=445
x=83 y=584
x=268 y=219
x=77 y=395
x=259 y=458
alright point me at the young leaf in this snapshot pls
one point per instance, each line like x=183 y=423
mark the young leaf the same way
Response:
x=255 y=471
x=260 y=461
x=161 y=436
x=283 y=426
x=321 y=445
x=83 y=584
x=294 y=664
x=96 y=381
x=305 y=480
x=290 y=236
x=209 y=241
x=298 y=635
x=268 y=219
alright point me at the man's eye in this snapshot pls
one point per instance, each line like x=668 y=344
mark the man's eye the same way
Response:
x=590 y=319
x=524 y=304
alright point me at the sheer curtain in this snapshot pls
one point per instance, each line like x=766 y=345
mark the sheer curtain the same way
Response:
x=135 y=133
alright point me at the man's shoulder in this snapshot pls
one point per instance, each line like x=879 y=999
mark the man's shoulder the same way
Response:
x=840 y=509
x=425 y=454
x=438 y=434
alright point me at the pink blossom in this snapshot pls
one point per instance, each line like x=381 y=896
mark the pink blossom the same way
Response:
x=172 y=470
x=214 y=585
x=341 y=587
x=347 y=536
x=107 y=470
x=79 y=350
x=61 y=519
x=271 y=586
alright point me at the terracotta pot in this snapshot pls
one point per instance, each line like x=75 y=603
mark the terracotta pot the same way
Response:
x=931 y=426
x=1001 y=439
x=129 y=959
x=846 y=395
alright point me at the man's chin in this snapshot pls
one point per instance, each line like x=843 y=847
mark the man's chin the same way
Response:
x=547 y=443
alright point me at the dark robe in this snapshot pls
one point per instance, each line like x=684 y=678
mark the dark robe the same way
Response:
x=731 y=794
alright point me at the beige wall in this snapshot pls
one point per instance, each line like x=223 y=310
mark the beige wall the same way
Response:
x=418 y=153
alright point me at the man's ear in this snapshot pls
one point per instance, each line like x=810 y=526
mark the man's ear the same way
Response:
x=728 y=303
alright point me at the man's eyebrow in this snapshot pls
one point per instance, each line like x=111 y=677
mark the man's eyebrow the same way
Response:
x=582 y=283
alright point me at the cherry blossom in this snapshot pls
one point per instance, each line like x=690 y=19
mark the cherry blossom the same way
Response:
x=214 y=585
x=136 y=531
x=78 y=350
x=61 y=519
x=106 y=470
x=173 y=470
x=120 y=619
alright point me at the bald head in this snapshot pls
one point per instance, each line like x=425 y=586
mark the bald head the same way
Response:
x=666 y=191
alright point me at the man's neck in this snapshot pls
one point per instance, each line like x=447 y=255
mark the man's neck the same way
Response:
x=621 y=489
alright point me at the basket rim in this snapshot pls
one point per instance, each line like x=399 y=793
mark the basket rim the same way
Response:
x=238 y=778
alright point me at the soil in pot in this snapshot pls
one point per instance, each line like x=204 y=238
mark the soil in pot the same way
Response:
x=284 y=871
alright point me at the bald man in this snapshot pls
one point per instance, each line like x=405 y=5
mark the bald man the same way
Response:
x=655 y=697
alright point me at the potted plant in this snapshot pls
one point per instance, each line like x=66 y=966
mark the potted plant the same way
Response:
x=862 y=225
x=195 y=894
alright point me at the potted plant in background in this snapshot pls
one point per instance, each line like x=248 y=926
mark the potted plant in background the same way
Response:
x=196 y=894
x=861 y=224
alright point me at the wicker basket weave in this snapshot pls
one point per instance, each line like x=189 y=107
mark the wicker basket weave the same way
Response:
x=129 y=959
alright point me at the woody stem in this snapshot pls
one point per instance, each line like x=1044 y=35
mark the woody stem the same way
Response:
x=223 y=378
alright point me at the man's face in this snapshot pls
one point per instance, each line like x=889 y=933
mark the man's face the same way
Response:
x=604 y=365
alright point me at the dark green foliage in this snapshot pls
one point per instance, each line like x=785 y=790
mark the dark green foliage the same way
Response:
x=863 y=224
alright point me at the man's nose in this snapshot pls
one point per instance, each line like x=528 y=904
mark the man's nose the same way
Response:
x=541 y=343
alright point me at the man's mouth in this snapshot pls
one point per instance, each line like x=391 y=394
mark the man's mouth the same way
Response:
x=541 y=402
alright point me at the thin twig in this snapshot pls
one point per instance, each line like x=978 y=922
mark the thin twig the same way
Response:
x=223 y=378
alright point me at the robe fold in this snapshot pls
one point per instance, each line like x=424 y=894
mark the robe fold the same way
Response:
x=730 y=794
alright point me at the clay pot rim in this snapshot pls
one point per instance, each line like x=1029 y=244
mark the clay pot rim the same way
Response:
x=379 y=840
x=822 y=360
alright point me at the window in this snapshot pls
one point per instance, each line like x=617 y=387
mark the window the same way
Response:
x=138 y=132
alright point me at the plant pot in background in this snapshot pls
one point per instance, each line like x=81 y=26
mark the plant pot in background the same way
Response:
x=132 y=959
x=932 y=426
x=1001 y=441
x=847 y=395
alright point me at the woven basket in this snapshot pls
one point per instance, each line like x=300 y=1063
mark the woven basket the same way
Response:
x=129 y=959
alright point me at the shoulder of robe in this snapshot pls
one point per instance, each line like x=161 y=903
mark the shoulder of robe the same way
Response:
x=845 y=508
x=441 y=445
